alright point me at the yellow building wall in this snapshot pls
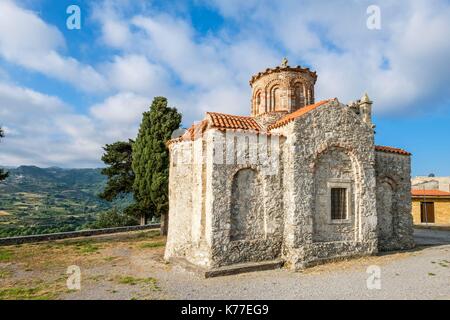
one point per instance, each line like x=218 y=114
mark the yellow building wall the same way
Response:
x=441 y=210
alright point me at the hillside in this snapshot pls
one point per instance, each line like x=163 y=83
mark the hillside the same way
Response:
x=39 y=200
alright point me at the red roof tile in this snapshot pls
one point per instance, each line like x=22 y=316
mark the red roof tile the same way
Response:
x=294 y=115
x=429 y=193
x=392 y=150
x=196 y=130
x=227 y=121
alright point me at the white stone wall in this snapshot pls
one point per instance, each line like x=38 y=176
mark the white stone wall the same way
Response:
x=181 y=183
x=323 y=130
x=188 y=202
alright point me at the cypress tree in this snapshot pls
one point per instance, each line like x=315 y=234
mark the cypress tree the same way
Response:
x=151 y=159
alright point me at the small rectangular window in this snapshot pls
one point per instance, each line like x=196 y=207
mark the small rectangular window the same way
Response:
x=427 y=212
x=338 y=203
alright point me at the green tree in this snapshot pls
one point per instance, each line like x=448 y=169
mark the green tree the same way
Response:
x=112 y=219
x=151 y=159
x=118 y=158
x=3 y=174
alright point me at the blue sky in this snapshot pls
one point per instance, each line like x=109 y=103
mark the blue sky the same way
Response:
x=65 y=93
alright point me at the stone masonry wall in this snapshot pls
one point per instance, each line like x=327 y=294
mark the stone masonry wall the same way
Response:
x=246 y=202
x=227 y=207
x=394 y=201
x=333 y=168
x=327 y=128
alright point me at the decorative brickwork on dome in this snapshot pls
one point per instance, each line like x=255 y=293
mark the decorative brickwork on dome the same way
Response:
x=282 y=89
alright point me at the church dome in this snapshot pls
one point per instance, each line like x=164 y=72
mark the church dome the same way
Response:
x=282 y=89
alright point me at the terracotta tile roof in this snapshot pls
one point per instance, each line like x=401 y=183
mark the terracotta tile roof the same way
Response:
x=292 y=116
x=196 y=130
x=392 y=150
x=226 y=121
x=429 y=193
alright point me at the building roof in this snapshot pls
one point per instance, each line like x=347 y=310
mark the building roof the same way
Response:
x=429 y=193
x=313 y=74
x=196 y=130
x=294 y=115
x=392 y=150
x=223 y=121
x=227 y=121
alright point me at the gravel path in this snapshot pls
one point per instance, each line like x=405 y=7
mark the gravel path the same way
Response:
x=421 y=274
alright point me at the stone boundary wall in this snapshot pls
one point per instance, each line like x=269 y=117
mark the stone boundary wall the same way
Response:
x=73 y=234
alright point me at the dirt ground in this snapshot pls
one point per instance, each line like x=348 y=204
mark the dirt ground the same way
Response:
x=131 y=266
x=112 y=267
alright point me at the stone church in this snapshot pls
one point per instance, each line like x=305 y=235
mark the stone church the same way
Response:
x=298 y=182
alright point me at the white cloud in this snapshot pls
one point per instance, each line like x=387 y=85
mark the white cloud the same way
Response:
x=332 y=38
x=135 y=73
x=171 y=41
x=26 y=40
x=404 y=66
x=115 y=31
x=119 y=116
x=42 y=130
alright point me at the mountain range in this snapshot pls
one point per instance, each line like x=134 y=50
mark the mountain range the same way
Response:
x=37 y=200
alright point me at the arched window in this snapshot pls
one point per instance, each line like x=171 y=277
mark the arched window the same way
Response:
x=258 y=103
x=308 y=96
x=275 y=98
x=299 y=99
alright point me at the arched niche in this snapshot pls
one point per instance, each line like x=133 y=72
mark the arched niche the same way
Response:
x=247 y=217
x=386 y=208
x=335 y=185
